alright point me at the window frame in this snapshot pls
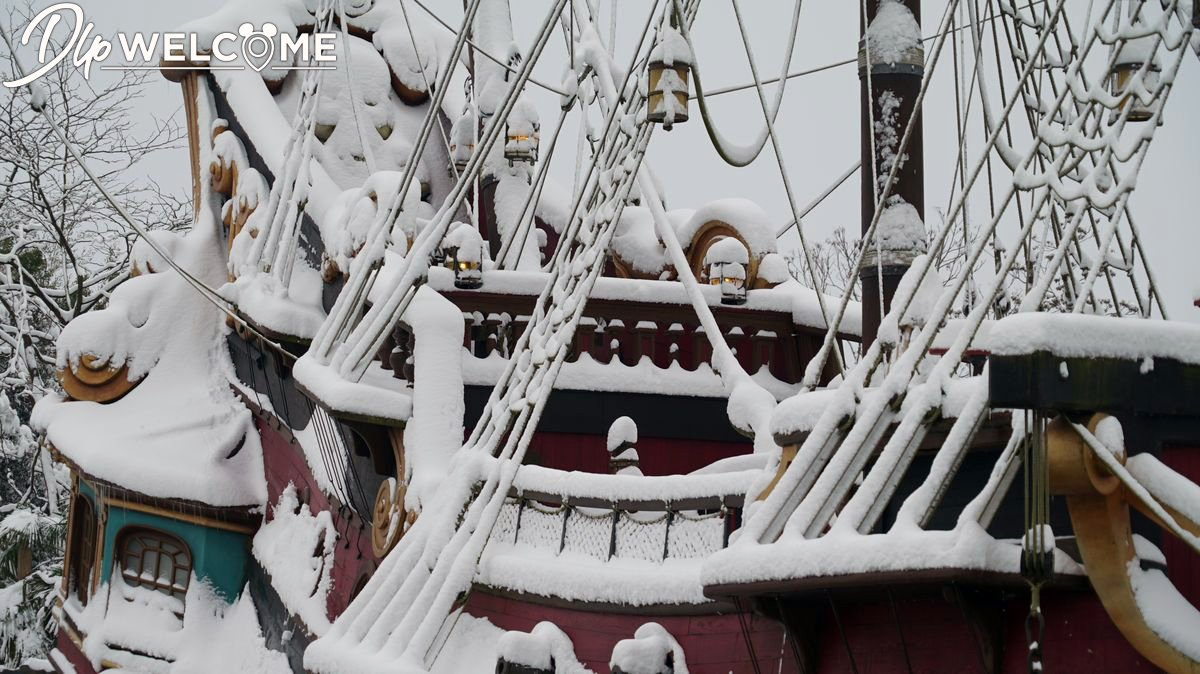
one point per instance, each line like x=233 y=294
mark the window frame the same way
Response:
x=154 y=544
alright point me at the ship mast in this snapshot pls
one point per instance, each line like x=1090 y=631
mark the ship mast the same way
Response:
x=895 y=77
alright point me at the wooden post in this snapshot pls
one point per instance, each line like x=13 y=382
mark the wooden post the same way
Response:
x=902 y=80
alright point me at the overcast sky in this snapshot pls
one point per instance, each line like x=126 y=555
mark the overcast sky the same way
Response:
x=818 y=124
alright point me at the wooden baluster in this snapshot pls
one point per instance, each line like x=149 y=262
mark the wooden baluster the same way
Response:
x=585 y=337
x=643 y=341
x=614 y=336
x=491 y=334
x=762 y=345
x=675 y=336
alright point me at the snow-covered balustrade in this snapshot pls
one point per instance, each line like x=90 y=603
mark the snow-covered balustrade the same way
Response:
x=631 y=322
x=608 y=517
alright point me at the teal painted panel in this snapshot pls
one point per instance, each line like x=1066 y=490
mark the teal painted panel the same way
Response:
x=218 y=556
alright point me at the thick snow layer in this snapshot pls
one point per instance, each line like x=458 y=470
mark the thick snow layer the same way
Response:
x=1167 y=613
x=1167 y=486
x=378 y=394
x=893 y=32
x=623 y=431
x=1082 y=336
x=790 y=296
x=900 y=229
x=636 y=243
x=296 y=549
x=799 y=414
x=745 y=216
x=435 y=431
x=574 y=484
x=471 y=647
x=573 y=576
x=412 y=56
x=180 y=432
x=651 y=647
x=296 y=311
x=141 y=620
x=672 y=49
x=587 y=374
x=545 y=647
x=726 y=251
x=968 y=547
x=772 y=268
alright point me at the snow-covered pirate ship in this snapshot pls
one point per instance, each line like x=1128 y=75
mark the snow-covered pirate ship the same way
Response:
x=445 y=413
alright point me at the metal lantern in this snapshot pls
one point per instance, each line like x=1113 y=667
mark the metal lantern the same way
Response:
x=463 y=251
x=1133 y=57
x=731 y=278
x=670 y=61
x=521 y=142
x=725 y=263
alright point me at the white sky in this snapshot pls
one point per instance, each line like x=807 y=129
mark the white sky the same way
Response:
x=818 y=125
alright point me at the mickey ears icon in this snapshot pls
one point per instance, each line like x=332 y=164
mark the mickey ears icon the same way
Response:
x=268 y=30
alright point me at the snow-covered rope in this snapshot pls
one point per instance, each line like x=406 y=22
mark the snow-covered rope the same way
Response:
x=769 y=520
x=810 y=515
x=768 y=119
x=1105 y=455
x=734 y=155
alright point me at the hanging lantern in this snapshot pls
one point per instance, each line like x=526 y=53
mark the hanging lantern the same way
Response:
x=1135 y=57
x=462 y=144
x=463 y=253
x=725 y=263
x=522 y=134
x=670 y=60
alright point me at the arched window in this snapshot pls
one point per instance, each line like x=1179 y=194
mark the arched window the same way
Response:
x=155 y=560
x=83 y=548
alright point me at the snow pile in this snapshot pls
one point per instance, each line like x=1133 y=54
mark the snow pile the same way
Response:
x=145 y=260
x=900 y=229
x=727 y=250
x=545 y=648
x=652 y=650
x=296 y=549
x=201 y=634
x=621 y=434
x=635 y=242
x=747 y=218
x=1167 y=613
x=1171 y=489
x=377 y=394
x=435 y=431
x=1081 y=336
x=894 y=33
x=571 y=485
x=471 y=647
x=672 y=49
x=574 y=576
x=967 y=547
x=180 y=432
x=412 y=56
x=773 y=270
x=349 y=218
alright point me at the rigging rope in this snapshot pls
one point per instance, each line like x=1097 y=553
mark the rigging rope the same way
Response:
x=743 y=155
x=818 y=286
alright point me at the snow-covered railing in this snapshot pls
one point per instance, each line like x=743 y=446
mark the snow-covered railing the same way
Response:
x=631 y=330
x=622 y=516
